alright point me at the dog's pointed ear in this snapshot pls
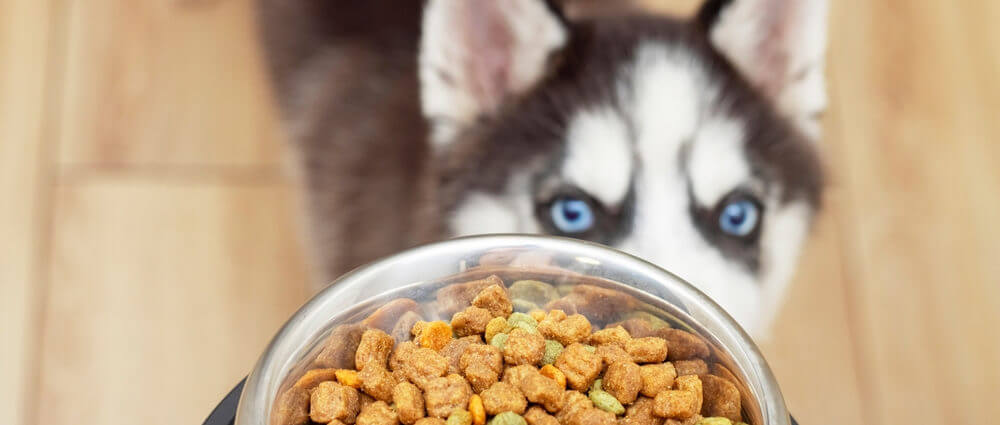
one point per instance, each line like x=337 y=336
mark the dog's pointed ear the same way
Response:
x=475 y=54
x=780 y=46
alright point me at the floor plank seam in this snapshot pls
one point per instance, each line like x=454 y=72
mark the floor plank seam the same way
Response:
x=55 y=62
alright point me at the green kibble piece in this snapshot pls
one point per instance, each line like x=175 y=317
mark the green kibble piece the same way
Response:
x=539 y=293
x=459 y=417
x=499 y=340
x=564 y=290
x=590 y=348
x=522 y=306
x=552 y=351
x=606 y=402
x=522 y=321
x=714 y=421
x=521 y=318
x=508 y=418
x=596 y=386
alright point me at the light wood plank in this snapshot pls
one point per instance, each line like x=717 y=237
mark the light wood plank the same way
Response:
x=916 y=101
x=811 y=349
x=24 y=53
x=165 y=83
x=162 y=297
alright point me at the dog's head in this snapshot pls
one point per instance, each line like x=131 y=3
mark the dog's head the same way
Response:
x=690 y=143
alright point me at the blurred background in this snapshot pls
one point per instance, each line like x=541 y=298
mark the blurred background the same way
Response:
x=149 y=236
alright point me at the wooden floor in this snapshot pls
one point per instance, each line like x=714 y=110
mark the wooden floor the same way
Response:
x=149 y=243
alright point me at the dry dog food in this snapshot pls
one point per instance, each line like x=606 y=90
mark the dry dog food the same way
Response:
x=508 y=356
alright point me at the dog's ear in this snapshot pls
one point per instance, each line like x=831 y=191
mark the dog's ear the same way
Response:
x=780 y=46
x=475 y=54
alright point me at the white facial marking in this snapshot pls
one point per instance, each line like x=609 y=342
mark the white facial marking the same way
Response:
x=509 y=212
x=717 y=163
x=598 y=155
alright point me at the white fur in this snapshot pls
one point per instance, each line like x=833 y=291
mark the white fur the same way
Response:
x=445 y=45
x=510 y=212
x=773 y=42
x=717 y=163
x=598 y=155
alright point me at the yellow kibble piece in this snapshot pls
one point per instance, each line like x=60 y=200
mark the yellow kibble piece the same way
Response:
x=348 y=377
x=538 y=315
x=495 y=326
x=554 y=374
x=477 y=410
x=435 y=335
x=714 y=421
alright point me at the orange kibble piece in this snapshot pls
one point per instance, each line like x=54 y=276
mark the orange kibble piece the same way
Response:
x=435 y=335
x=477 y=410
x=555 y=374
x=348 y=377
x=538 y=315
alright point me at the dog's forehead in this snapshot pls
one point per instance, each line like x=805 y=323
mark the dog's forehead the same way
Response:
x=651 y=89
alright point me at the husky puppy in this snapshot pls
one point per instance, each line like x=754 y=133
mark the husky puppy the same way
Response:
x=688 y=142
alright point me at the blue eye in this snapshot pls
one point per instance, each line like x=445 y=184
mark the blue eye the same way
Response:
x=739 y=218
x=571 y=215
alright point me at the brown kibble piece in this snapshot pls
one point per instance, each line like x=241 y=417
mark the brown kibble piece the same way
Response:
x=503 y=397
x=537 y=416
x=641 y=413
x=601 y=304
x=683 y=345
x=721 y=371
x=374 y=348
x=494 y=299
x=523 y=347
x=541 y=390
x=293 y=407
x=409 y=402
x=401 y=331
x=313 y=378
x=692 y=384
x=573 y=401
x=617 y=335
x=636 y=328
x=721 y=398
x=378 y=413
x=674 y=404
x=421 y=365
x=647 y=350
x=565 y=329
x=385 y=317
x=591 y=416
x=481 y=364
x=331 y=401
x=403 y=350
x=365 y=399
x=656 y=378
x=689 y=421
x=454 y=298
x=447 y=393
x=435 y=335
x=579 y=365
x=471 y=321
x=454 y=350
x=623 y=381
x=377 y=382
x=562 y=304
x=338 y=353
x=691 y=367
x=515 y=375
x=611 y=354
x=430 y=421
